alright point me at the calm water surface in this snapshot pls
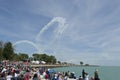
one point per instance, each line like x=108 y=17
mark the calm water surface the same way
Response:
x=105 y=72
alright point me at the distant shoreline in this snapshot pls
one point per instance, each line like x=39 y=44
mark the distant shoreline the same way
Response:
x=55 y=66
x=46 y=65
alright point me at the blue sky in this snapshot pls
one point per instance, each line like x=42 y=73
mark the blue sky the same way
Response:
x=72 y=30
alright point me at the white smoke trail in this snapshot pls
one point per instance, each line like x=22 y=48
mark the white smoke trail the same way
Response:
x=61 y=26
x=58 y=31
x=26 y=41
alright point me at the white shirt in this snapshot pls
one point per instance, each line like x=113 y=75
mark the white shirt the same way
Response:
x=87 y=77
x=4 y=69
x=8 y=77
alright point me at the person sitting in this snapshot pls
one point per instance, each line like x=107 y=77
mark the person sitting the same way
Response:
x=80 y=78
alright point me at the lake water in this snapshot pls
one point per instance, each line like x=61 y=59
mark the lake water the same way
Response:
x=105 y=72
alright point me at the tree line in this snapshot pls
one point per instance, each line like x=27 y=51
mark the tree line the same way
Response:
x=7 y=53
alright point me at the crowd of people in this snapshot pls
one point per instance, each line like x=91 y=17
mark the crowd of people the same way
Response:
x=21 y=72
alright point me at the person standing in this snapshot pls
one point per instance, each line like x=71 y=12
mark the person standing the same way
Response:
x=83 y=74
x=96 y=76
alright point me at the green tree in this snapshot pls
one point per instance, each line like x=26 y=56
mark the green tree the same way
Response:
x=16 y=57
x=23 y=56
x=8 y=51
x=81 y=63
x=59 y=62
x=86 y=64
x=45 y=57
x=31 y=58
x=52 y=59
x=36 y=56
x=1 y=49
